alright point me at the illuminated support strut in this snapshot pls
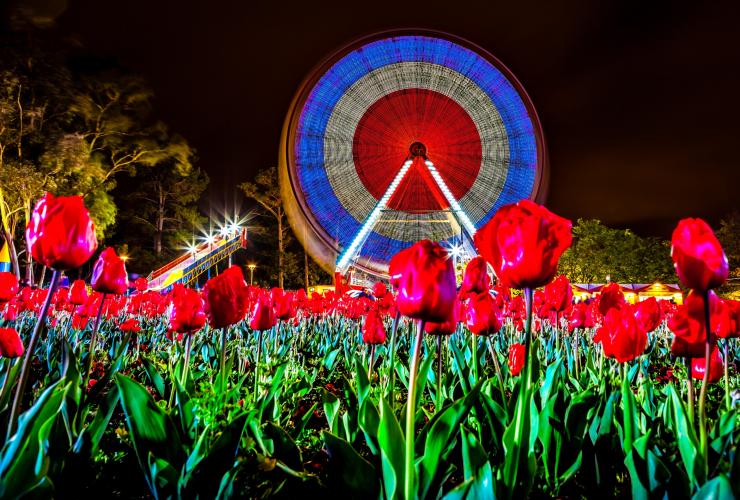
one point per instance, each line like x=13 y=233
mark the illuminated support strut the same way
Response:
x=364 y=232
x=417 y=150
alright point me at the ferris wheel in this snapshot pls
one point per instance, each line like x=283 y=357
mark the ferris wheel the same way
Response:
x=401 y=136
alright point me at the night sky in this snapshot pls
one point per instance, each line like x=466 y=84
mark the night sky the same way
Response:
x=638 y=100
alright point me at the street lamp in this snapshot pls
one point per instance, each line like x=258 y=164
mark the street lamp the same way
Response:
x=251 y=273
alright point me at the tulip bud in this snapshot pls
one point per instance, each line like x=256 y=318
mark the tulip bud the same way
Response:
x=109 y=274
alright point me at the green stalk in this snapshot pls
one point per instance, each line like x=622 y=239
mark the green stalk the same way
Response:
x=93 y=343
x=188 y=338
x=690 y=399
x=704 y=384
x=627 y=410
x=499 y=376
x=439 y=372
x=391 y=358
x=257 y=364
x=30 y=354
x=474 y=349
x=222 y=365
x=411 y=414
x=728 y=403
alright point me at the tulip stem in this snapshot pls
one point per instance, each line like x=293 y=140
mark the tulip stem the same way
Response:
x=410 y=476
x=222 y=367
x=93 y=343
x=391 y=358
x=372 y=359
x=29 y=356
x=690 y=399
x=474 y=355
x=499 y=376
x=727 y=374
x=704 y=384
x=575 y=351
x=439 y=372
x=188 y=338
x=257 y=364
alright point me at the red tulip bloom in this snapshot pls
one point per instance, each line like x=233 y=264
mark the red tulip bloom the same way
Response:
x=577 y=316
x=373 y=330
x=379 y=290
x=60 y=234
x=130 y=325
x=620 y=336
x=611 y=297
x=188 y=310
x=226 y=298
x=10 y=343
x=11 y=312
x=558 y=294
x=716 y=367
x=109 y=274
x=647 y=314
x=284 y=306
x=427 y=288
x=446 y=327
x=523 y=242
x=476 y=279
x=8 y=287
x=263 y=316
x=516 y=359
x=700 y=262
x=78 y=293
x=688 y=325
x=141 y=284
x=483 y=317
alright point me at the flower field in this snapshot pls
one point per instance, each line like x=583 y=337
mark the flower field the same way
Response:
x=417 y=389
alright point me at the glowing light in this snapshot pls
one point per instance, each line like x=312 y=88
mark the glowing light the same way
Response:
x=210 y=239
x=224 y=231
x=352 y=249
x=124 y=258
x=461 y=215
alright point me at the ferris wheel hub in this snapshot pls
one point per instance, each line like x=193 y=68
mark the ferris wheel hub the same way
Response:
x=418 y=149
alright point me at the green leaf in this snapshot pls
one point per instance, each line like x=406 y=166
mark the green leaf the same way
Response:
x=648 y=475
x=392 y=451
x=688 y=444
x=718 y=488
x=153 y=434
x=353 y=474
x=23 y=464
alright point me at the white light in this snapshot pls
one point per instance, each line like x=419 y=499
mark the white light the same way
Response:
x=210 y=239
x=224 y=231
x=350 y=252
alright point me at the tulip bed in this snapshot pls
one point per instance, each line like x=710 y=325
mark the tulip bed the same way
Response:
x=310 y=418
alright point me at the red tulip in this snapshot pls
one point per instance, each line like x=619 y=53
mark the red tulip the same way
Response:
x=11 y=312
x=559 y=294
x=141 y=284
x=723 y=322
x=446 y=327
x=79 y=322
x=109 y=274
x=8 y=287
x=379 y=290
x=476 y=279
x=373 y=330
x=611 y=297
x=188 y=310
x=700 y=262
x=284 y=307
x=688 y=325
x=647 y=314
x=10 y=343
x=78 y=293
x=483 y=317
x=263 y=316
x=427 y=288
x=60 y=234
x=516 y=359
x=620 y=336
x=577 y=316
x=226 y=298
x=716 y=367
x=130 y=325
x=523 y=242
